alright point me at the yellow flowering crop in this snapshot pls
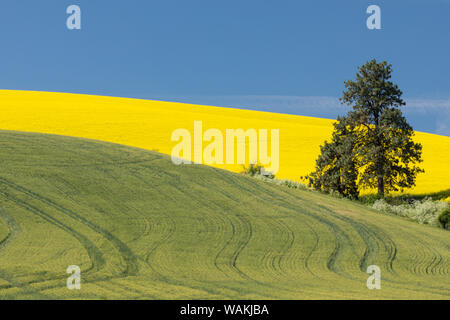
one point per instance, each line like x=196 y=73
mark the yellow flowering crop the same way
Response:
x=149 y=125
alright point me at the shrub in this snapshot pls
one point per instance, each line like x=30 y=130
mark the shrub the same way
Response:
x=444 y=218
x=255 y=169
x=285 y=182
x=290 y=184
x=369 y=199
x=423 y=211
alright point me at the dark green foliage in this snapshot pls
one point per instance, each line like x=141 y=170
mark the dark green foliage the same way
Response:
x=444 y=218
x=255 y=169
x=400 y=199
x=336 y=167
x=372 y=146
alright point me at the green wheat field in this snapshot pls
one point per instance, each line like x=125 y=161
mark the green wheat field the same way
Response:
x=140 y=227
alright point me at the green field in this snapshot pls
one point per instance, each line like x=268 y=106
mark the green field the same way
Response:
x=142 y=228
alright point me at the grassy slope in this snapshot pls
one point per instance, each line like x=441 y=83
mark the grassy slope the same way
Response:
x=149 y=125
x=140 y=227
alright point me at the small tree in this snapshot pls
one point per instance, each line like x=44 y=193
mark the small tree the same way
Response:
x=336 y=167
x=255 y=169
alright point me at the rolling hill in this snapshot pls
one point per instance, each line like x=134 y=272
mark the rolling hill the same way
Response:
x=140 y=227
x=150 y=124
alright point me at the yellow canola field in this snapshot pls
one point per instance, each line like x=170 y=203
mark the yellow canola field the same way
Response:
x=150 y=124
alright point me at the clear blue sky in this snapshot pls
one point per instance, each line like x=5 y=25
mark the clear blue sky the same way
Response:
x=273 y=55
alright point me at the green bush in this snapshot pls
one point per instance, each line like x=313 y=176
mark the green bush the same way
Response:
x=290 y=184
x=369 y=199
x=285 y=182
x=444 y=218
x=255 y=169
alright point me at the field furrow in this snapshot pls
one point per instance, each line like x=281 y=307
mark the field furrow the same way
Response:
x=141 y=227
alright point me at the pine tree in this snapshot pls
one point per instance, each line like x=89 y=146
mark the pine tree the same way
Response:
x=372 y=146
x=385 y=149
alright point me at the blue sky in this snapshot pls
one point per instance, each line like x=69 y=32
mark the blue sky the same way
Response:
x=272 y=55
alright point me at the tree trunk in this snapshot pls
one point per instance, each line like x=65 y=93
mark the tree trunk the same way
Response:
x=381 y=186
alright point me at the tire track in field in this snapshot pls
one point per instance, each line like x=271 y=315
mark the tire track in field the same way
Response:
x=281 y=256
x=432 y=267
x=427 y=259
x=314 y=248
x=310 y=212
x=276 y=260
x=145 y=218
x=37 y=291
x=169 y=235
x=247 y=232
x=237 y=245
x=233 y=257
x=269 y=197
x=390 y=245
x=63 y=277
x=391 y=248
x=125 y=290
x=95 y=255
x=240 y=244
x=339 y=235
x=45 y=287
x=342 y=241
x=370 y=238
x=23 y=286
x=157 y=244
x=430 y=262
x=373 y=238
x=421 y=259
x=13 y=226
x=128 y=256
x=425 y=265
x=92 y=165
x=439 y=268
x=166 y=237
x=14 y=230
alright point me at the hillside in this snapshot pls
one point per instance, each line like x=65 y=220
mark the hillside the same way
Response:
x=150 y=124
x=142 y=228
